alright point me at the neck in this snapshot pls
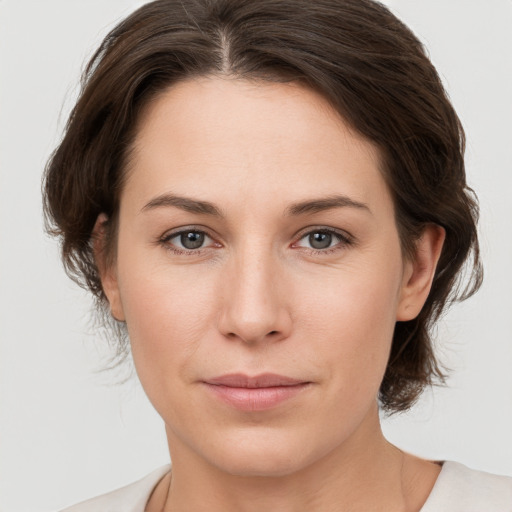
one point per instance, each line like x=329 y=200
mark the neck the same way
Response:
x=366 y=473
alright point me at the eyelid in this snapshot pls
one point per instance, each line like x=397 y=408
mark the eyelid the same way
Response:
x=172 y=233
x=324 y=229
x=185 y=229
x=346 y=238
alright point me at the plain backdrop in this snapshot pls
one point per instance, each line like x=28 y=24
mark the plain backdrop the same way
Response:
x=68 y=432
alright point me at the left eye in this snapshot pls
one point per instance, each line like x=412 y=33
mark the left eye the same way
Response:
x=319 y=240
x=189 y=240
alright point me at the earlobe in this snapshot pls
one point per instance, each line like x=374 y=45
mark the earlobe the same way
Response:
x=106 y=268
x=419 y=272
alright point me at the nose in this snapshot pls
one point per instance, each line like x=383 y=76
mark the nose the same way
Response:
x=255 y=306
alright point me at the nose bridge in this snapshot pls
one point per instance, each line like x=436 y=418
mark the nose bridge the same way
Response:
x=254 y=308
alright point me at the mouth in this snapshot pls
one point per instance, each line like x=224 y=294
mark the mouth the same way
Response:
x=257 y=393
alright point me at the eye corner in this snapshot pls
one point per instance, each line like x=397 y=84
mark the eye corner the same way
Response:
x=324 y=241
x=177 y=242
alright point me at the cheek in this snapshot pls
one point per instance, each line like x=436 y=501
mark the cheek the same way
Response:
x=350 y=323
x=169 y=313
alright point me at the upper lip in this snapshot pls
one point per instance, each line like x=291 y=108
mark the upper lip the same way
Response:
x=264 y=380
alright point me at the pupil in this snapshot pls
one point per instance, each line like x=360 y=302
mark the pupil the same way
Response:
x=320 y=240
x=192 y=240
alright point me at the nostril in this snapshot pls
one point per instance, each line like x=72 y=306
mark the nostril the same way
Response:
x=272 y=332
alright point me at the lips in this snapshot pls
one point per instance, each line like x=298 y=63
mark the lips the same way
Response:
x=257 y=393
x=266 y=380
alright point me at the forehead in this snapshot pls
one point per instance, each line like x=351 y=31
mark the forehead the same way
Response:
x=224 y=137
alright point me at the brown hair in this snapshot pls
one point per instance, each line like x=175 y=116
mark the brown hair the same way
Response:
x=355 y=53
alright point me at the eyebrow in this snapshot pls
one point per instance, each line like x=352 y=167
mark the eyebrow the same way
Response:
x=183 y=203
x=206 y=208
x=327 y=203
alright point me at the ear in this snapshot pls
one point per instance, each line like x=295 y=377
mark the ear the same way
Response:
x=419 y=272
x=106 y=268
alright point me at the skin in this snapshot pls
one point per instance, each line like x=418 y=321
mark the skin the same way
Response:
x=257 y=297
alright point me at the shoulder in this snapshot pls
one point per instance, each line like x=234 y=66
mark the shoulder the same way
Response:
x=461 y=489
x=131 y=498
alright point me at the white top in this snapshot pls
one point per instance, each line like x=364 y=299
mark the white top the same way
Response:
x=457 y=489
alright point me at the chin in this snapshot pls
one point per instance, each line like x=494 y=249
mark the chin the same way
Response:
x=262 y=464
x=262 y=454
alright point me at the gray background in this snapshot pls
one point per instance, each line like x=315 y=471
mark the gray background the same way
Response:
x=68 y=432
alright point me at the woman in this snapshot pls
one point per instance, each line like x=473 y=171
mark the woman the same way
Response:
x=270 y=199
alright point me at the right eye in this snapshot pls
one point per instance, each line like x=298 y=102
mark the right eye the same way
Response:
x=189 y=240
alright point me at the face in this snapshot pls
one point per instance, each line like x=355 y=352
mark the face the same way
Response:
x=259 y=272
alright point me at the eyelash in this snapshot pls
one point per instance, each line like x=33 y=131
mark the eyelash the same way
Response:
x=344 y=240
x=165 y=241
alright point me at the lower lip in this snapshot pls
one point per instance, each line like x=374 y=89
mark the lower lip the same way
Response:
x=256 y=399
